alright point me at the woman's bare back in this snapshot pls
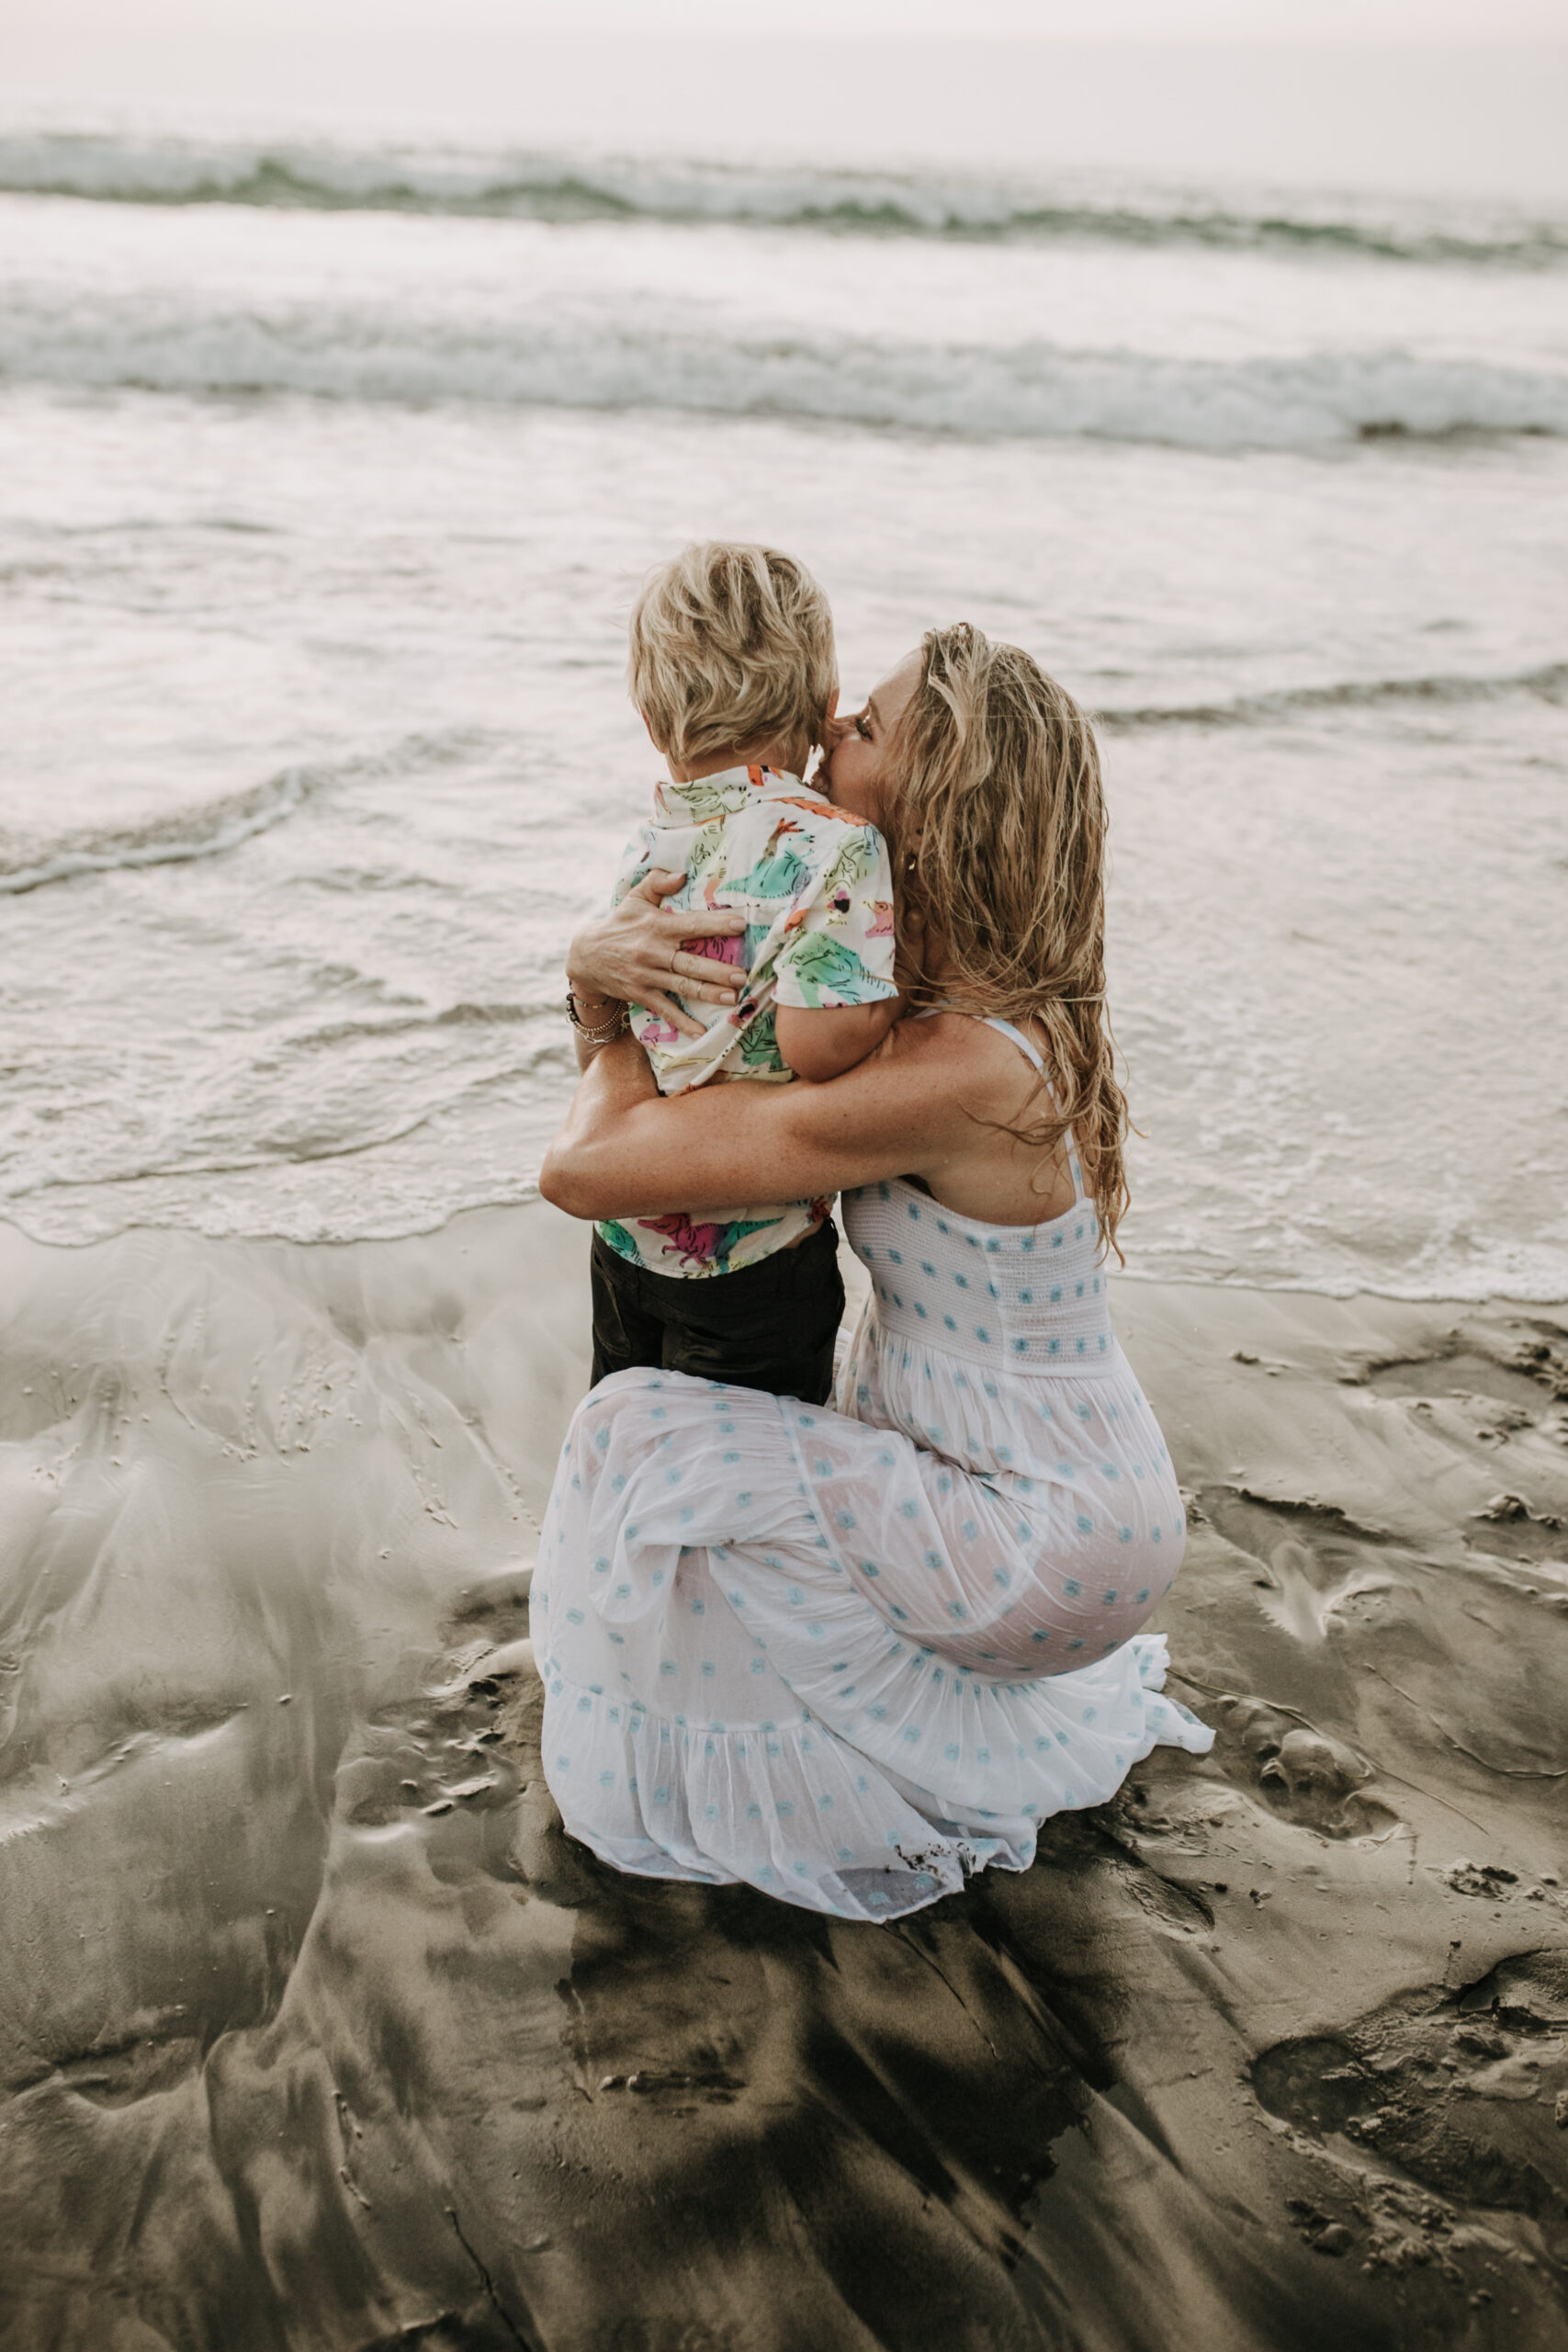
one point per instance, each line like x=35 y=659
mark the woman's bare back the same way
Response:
x=996 y=1176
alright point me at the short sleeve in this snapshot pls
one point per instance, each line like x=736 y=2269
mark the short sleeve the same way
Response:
x=838 y=949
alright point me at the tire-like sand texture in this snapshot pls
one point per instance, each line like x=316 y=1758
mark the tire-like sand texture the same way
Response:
x=316 y=2033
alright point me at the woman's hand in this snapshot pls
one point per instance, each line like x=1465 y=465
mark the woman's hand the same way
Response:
x=637 y=953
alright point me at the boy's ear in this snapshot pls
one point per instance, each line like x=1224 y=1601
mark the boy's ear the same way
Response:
x=652 y=737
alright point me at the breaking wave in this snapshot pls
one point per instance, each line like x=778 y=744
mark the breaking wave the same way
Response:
x=173 y=841
x=212 y=827
x=1548 y=683
x=1035 y=389
x=324 y=177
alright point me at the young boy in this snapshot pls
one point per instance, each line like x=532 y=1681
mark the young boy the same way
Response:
x=734 y=671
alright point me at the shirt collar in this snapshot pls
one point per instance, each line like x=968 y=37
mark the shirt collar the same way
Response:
x=708 y=797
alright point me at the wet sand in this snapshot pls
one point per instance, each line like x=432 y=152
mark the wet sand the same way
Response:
x=316 y=2033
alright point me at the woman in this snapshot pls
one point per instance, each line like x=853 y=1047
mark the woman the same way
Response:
x=848 y=1656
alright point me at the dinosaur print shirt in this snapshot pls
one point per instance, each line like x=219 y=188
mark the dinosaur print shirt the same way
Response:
x=816 y=890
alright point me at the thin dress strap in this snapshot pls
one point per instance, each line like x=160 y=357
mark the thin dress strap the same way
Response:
x=1026 y=1046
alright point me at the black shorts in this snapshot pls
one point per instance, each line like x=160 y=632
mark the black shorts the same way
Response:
x=771 y=1325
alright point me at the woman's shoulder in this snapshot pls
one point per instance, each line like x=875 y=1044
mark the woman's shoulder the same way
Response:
x=966 y=1043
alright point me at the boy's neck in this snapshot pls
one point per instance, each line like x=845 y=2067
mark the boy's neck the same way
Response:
x=782 y=756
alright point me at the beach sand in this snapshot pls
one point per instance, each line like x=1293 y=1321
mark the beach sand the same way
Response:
x=316 y=2032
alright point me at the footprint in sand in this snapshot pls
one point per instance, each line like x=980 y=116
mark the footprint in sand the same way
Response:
x=1502 y=1378
x=1460 y=2090
x=1517 y=1531
x=1300 y=1771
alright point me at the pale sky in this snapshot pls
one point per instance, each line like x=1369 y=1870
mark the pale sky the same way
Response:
x=1420 y=22
x=1430 y=96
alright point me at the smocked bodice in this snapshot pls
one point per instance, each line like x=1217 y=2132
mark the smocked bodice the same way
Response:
x=1015 y=1298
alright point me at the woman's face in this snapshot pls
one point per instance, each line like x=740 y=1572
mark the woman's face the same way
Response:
x=856 y=764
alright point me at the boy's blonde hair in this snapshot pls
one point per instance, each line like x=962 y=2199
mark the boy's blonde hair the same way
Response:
x=732 y=648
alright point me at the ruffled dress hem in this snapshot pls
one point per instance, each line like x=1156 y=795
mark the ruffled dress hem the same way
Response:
x=787 y=1808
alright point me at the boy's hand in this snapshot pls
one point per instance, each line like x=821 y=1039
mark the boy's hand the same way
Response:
x=635 y=955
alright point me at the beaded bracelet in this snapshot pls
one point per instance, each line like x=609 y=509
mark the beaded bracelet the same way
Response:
x=601 y=1033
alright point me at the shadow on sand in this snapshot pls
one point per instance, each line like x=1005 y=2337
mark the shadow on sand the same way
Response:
x=316 y=2033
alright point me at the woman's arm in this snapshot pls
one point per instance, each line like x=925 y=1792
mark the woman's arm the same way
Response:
x=623 y=1151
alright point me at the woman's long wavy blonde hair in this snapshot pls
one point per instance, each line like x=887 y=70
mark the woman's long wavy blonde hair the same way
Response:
x=998 y=835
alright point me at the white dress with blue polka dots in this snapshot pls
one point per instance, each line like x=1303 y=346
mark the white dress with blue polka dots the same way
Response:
x=849 y=1655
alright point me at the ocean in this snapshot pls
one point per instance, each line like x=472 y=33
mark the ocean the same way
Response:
x=330 y=461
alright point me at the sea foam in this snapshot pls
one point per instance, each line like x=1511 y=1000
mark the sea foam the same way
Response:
x=347 y=351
